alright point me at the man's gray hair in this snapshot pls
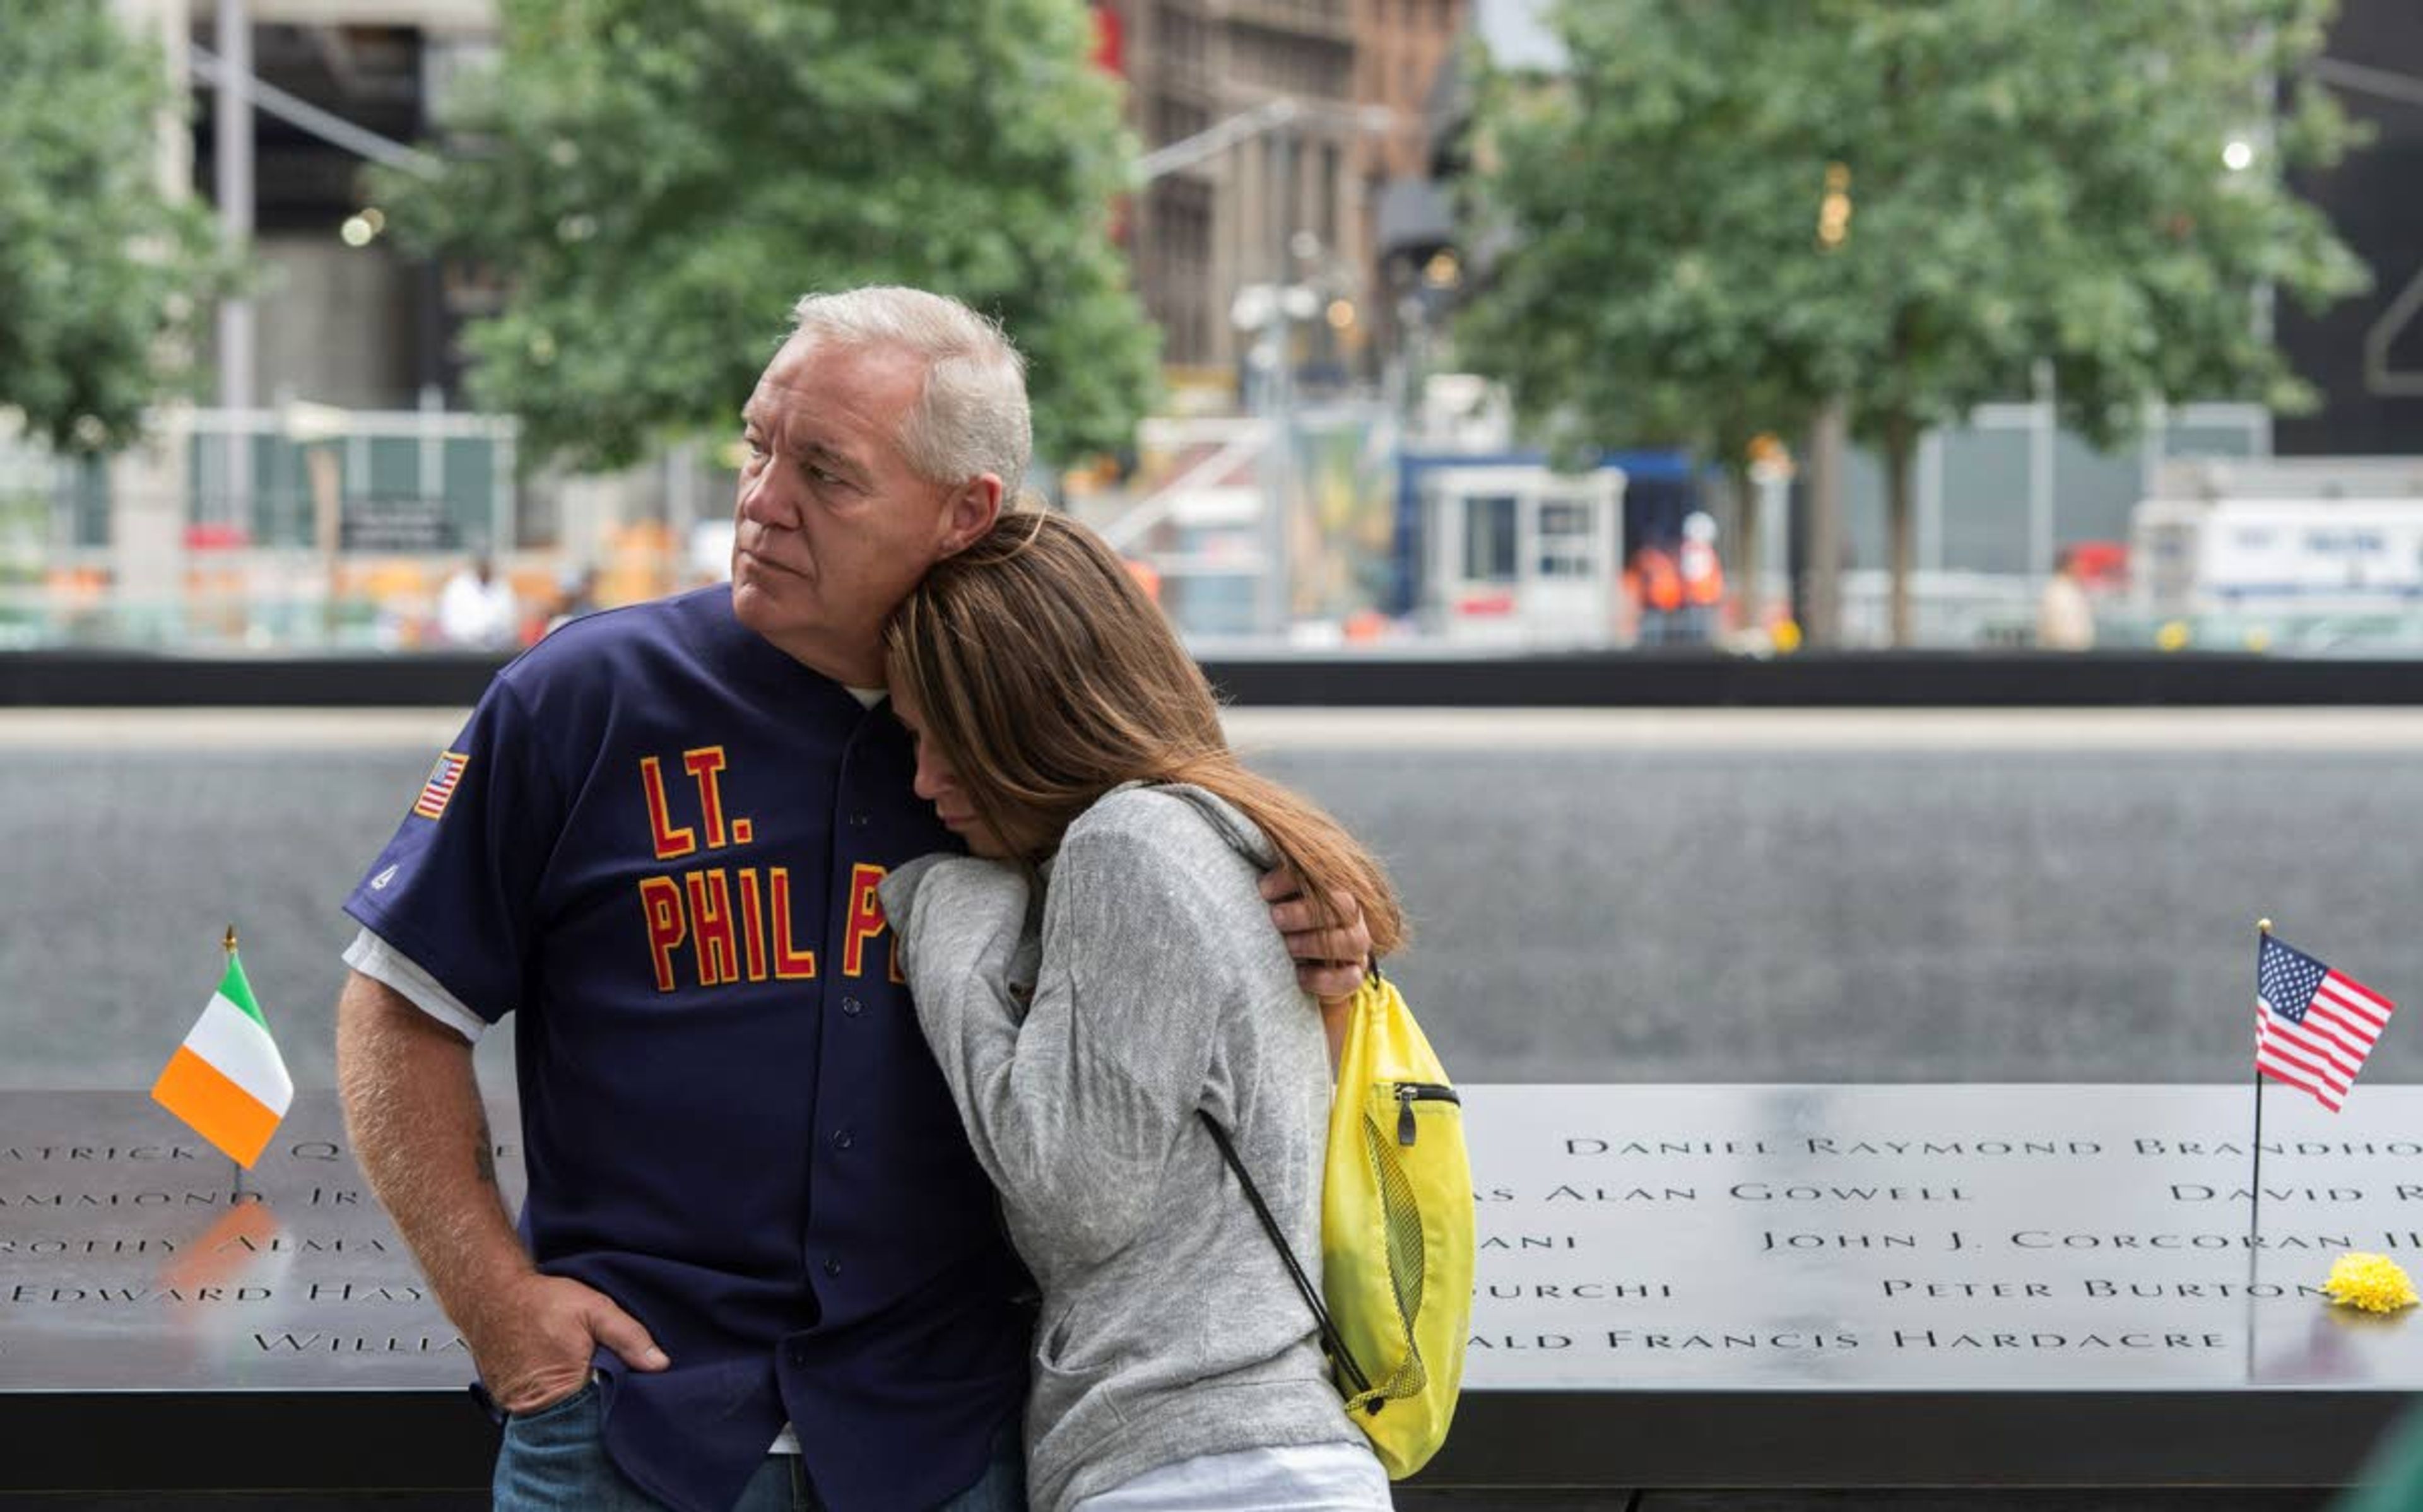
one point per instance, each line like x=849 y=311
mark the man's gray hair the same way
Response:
x=971 y=417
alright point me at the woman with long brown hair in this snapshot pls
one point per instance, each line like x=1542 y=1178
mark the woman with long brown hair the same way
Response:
x=1098 y=971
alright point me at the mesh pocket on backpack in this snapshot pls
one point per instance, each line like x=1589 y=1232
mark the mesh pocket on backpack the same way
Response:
x=1401 y=1213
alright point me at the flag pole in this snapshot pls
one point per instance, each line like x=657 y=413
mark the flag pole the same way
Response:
x=236 y=1194
x=2254 y=1187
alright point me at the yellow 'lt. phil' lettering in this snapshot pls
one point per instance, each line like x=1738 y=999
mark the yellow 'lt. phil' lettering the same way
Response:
x=671 y=843
x=727 y=943
x=661 y=897
x=738 y=921
x=706 y=766
x=790 y=964
x=710 y=923
x=866 y=921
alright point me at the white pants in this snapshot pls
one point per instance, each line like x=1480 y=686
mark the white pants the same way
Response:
x=1325 y=1477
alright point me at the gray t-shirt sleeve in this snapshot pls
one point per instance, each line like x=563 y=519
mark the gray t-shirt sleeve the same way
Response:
x=1073 y=1093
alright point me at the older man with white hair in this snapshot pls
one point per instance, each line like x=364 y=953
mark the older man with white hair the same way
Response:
x=757 y=1266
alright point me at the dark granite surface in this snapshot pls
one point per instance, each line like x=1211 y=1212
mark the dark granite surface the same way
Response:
x=1709 y=1286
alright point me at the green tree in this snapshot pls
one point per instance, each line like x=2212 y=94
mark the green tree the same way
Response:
x=102 y=278
x=1730 y=213
x=658 y=179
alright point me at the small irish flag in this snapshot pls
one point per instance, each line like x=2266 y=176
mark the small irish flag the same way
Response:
x=228 y=1080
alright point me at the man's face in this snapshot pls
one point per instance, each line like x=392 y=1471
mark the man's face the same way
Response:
x=834 y=527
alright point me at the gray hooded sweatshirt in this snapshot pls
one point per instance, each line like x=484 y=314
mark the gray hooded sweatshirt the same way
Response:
x=1079 y=1048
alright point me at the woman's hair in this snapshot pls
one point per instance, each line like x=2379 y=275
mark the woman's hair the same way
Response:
x=1048 y=678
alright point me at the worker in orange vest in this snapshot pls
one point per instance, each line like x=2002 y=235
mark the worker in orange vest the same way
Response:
x=1657 y=587
x=1702 y=576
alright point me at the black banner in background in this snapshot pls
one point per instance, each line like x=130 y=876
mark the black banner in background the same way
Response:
x=1676 y=679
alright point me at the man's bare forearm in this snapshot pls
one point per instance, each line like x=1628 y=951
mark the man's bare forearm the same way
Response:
x=413 y=1111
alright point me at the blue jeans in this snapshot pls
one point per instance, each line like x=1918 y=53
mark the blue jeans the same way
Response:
x=554 y=1460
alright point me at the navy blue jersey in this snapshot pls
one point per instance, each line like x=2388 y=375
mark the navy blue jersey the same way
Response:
x=657 y=844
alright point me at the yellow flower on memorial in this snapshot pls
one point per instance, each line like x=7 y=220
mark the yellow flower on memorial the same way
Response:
x=2372 y=1282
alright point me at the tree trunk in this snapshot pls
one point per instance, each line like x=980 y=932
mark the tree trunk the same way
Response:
x=1821 y=583
x=1749 y=543
x=1901 y=446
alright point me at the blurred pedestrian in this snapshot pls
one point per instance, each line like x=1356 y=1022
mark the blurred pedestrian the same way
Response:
x=1658 y=585
x=476 y=609
x=2065 y=618
x=1703 y=575
x=576 y=595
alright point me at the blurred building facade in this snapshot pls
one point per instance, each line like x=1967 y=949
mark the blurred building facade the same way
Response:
x=377 y=65
x=1208 y=227
x=1288 y=118
x=1304 y=146
x=1291 y=201
x=2364 y=355
x=1410 y=50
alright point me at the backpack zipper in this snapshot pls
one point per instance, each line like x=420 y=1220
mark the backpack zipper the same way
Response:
x=1410 y=1093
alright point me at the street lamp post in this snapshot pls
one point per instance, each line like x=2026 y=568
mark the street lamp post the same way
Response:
x=1267 y=313
x=1280 y=458
x=232 y=149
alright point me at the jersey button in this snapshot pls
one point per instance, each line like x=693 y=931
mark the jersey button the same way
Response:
x=851 y=1007
x=843 y=1139
x=832 y=1266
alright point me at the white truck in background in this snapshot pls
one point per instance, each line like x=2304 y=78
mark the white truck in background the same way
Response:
x=2299 y=540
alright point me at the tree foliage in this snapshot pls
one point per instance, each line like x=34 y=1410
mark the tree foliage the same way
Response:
x=102 y=278
x=2024 y=183
x=657 y=180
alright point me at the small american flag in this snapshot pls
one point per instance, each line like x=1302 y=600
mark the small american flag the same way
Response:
x=2313 y=1027
x=440 y=786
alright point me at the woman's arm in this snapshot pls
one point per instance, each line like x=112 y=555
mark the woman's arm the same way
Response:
x=1072 y=1097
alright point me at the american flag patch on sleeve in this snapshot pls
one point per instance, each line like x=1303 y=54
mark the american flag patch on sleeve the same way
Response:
x=439 y=789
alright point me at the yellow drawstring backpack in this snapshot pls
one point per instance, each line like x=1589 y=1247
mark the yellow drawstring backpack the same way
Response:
x=1395 y=1232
